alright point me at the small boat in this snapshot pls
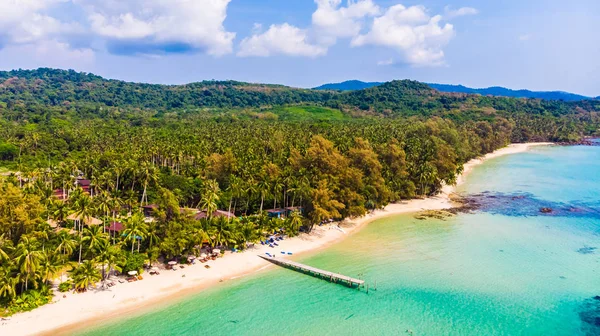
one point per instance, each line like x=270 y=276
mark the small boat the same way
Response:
x=262 y=242
x=289 y=253
x=271 y=245
x=275 y=244
x=268 y=254
x=282 y=252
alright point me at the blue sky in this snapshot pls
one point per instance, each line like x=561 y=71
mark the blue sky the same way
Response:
x=534 y=44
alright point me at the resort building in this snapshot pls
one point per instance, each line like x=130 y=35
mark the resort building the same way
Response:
x=283 y=212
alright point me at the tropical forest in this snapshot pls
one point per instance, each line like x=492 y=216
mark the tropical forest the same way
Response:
x=99 y=175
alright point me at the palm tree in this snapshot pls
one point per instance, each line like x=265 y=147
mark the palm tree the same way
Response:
x=93 y=237
x=210 y=197
x=223 y=231
x=109 y=255
x=103 y=204
x=263 y=188
x=135 y=229
x=85 y=275
x=50 y=265
x=82 y=208
x=5 y=248
x=248 y=233
x=236 y=189
x=8 y=281
x=60 y=211
x=250 y=191
x=149 y=176
x=152 y=235
x=66 y=243
x=277 y=188
x=27 y=258
x=294 y=222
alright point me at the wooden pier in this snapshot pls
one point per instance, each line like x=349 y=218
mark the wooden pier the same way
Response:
x=325 y=275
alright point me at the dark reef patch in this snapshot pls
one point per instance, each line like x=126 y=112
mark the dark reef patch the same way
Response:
x=525 y=205
x=587 y=250
x=590 y=316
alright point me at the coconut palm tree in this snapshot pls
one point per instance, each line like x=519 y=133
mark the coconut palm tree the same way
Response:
x=5 y=248
x=82 y=208
x=210 y=197
x=111 y=256
x=149 y=175
x=8 y=281
x=65 y=242
x=27 y=258
x=50 y=265
x=92 y=238
x=85 y=275
x=263 y=189
x=294 y=222
x=224 y=232
x=135 y=229
x=60 y=211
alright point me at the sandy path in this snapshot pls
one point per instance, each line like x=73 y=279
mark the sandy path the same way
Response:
x=76 y=310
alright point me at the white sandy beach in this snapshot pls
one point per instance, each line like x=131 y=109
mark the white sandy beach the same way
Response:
x=76 y=310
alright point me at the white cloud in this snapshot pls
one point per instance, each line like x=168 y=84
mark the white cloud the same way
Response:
x=330 y=21
x=450 y=13
x=27 y=31
x=25 y=21
x=280 y=39
x=161 y=25
x=417 y=36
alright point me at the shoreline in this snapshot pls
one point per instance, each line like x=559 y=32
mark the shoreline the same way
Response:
x=79 y=311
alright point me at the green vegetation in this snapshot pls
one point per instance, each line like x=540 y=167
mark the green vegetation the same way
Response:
x=230 y=146
x=307 y=113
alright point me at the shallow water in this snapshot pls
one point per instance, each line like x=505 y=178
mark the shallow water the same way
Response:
x=487 y=273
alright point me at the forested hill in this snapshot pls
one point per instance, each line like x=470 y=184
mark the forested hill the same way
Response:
x=504 y=92
x=70 y=89
x=491 y=91
x=59 y=87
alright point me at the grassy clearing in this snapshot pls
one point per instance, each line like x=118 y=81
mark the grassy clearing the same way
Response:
x=305 y=113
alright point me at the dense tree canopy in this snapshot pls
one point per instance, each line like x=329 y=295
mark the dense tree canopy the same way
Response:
x=222 y=146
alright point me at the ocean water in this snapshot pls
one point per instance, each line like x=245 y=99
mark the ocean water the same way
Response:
x=507 y=269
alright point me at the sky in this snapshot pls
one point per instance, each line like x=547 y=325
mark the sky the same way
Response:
x=532 y=44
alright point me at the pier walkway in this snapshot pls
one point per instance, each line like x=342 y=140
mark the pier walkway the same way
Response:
x=330 y=276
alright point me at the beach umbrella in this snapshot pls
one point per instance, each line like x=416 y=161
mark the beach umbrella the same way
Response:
x=191 y=257
x=132 y=272
x=154 y=268
x=203 y=255
x=173 y=262
x=217 y=251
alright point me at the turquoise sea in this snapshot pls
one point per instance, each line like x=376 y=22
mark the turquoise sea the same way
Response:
x=506 y=269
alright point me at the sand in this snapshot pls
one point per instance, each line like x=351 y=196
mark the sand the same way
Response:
x=74 y=311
